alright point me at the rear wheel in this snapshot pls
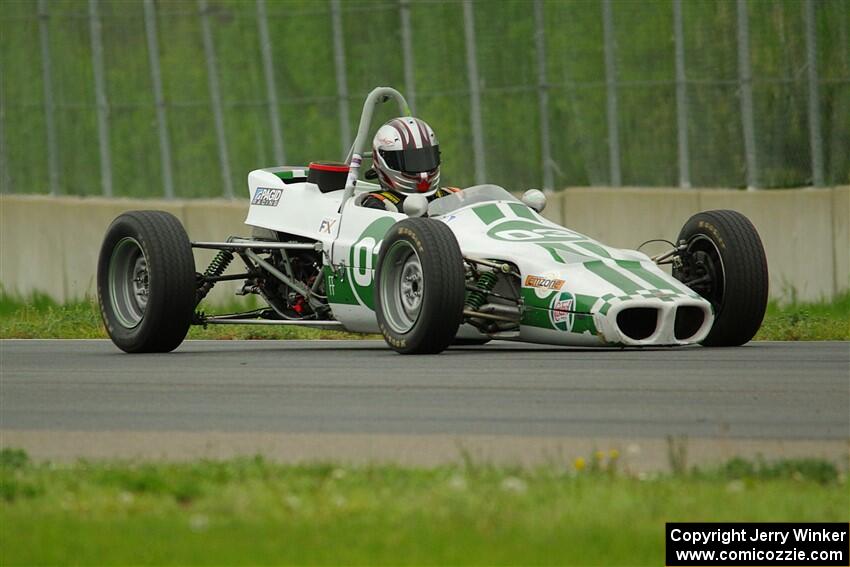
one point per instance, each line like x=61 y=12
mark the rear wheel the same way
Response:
x=146 y=282
x=725 y=263
x=419 y=287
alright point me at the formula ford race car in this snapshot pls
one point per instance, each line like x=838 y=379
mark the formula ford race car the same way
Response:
x=475 y=265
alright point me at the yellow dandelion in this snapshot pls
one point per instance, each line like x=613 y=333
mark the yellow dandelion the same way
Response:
x=579 y=464
x=613 y=454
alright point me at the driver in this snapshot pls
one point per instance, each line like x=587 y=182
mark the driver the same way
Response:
x=406 y=160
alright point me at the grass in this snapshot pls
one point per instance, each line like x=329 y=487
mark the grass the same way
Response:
x=251 y=511
x=40 y=317
x=807 y=321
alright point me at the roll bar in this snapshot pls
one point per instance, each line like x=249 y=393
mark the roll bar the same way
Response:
x=378 y=96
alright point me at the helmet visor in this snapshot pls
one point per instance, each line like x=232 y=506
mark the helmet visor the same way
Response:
x=415 y=160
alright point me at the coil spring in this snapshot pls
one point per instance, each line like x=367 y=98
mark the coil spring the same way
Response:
x=215 y=269
x=484 y=285
x=219 y=263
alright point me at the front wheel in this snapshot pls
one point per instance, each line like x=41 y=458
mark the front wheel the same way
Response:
x=146 y=282
x=725 y=263
x=419 y=286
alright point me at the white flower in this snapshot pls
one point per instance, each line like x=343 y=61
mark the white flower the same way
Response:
x=457 y=482
x=514 y=484
x=199 y=523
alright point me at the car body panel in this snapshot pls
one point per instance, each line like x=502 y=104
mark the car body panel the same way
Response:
x=573 y=287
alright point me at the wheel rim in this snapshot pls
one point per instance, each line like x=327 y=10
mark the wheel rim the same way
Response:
x=402 y=287
x=707 y=264
x=129 y=282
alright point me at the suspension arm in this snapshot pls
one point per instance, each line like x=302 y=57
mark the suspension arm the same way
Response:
x=257 y=244
x=227 y=278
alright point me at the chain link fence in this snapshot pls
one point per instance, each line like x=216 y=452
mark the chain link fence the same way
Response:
x=147 y=98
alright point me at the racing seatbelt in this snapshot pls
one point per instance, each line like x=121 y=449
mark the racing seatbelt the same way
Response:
x=388 y=196
x=443 y=191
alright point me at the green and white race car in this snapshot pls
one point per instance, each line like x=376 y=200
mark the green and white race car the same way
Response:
x=473 y=266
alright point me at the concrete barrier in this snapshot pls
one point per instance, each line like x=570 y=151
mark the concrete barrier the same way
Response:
x=50 y=245
x=841 y=237
x=804 y=231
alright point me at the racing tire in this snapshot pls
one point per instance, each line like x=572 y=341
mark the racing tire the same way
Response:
x=146 y=282
x=725 y=263
x=419 y=287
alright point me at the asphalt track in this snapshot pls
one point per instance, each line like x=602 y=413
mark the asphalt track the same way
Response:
x=780 y=393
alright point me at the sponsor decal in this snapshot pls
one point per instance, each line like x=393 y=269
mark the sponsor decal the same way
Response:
x=327 y=225
x=339 y=286
x=578 y=319
x=266 y=197
x=544 y=282
x=562 y=311
x=713 y=230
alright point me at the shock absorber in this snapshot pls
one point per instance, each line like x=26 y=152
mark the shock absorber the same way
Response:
x=220 y=263
x=477 y=297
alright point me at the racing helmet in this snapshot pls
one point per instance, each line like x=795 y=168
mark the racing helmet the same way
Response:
x=406 y=156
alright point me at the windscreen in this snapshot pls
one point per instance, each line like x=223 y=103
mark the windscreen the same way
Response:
x=469 y=196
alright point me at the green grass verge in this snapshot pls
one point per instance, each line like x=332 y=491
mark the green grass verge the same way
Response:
x=251 y=511
x=807 y=321
x=40 y=317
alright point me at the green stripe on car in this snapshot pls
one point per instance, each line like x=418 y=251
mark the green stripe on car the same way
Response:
x=522 y=211
x=553 y=251
x=593 y=248
x=612 y=276
x=291 y=174
x=489 y=213
x=635 y=267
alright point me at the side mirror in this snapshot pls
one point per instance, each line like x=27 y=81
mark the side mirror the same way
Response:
x=415 y=205
x=535 y=199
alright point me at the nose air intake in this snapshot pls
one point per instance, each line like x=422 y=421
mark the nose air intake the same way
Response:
x=689 y=320
x=638 y=323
